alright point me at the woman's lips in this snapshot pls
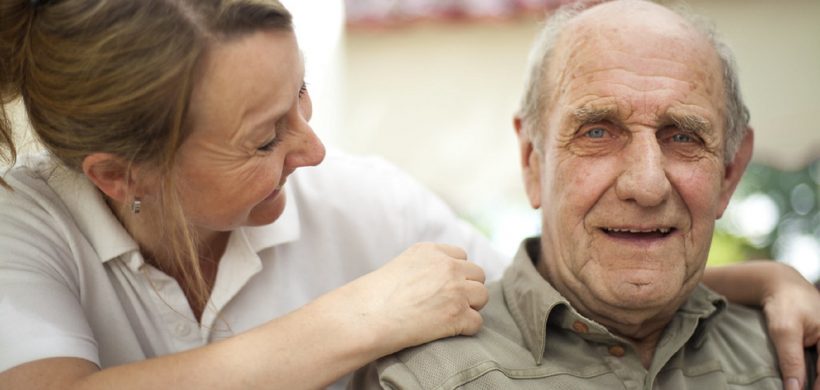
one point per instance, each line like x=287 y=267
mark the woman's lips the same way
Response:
x=274 y=194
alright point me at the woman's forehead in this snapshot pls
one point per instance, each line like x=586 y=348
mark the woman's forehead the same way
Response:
x=247 y=81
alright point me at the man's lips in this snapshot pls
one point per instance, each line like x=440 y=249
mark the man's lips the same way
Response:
x=632 y=233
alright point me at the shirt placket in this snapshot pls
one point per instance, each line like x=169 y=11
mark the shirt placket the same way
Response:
x=174 y=311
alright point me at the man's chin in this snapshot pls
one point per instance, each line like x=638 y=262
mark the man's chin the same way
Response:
x=641 y=295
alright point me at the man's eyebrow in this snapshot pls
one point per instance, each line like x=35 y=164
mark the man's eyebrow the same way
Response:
x=592 y=114
x=690 y=122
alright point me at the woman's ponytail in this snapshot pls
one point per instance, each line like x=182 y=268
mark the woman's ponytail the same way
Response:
x=15 y=24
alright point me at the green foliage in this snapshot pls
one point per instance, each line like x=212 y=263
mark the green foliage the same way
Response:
x=769 y=211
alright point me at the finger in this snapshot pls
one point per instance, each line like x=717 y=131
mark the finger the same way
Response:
x=477 y=294
x=452 y=251
x=817 y=370
x=471 y=323
x=788 y=342
x=471 y=271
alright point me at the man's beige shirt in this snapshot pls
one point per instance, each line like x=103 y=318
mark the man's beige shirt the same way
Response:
x=533 y=339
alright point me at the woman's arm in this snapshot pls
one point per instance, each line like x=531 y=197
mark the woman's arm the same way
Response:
x=791 y=305
x=428 y=292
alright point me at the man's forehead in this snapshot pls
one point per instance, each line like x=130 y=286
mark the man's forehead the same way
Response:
x=650 y=39
x=626 y=22
x=638 y=12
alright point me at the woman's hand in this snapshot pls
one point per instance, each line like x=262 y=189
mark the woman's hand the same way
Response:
x=792 y=308
x=428 y=292
x=791 y=305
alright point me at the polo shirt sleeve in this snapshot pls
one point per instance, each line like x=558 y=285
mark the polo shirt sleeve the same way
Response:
x=426 y=217
x=41 y=315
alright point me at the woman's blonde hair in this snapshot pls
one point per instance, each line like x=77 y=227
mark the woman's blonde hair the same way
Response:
x=116 y=76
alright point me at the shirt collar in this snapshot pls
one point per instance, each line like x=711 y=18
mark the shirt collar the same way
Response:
x=533 y=302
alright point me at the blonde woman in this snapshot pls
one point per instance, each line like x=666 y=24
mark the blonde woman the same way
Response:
x=174 y=237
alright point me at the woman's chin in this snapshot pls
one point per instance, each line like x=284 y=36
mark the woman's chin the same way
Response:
x=268 y=211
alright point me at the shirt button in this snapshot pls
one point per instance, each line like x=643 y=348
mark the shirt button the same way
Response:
x=182 y=329
x=617 y=351
x=580 y=327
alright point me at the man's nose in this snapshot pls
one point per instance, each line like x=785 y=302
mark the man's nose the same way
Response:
x=643 y=178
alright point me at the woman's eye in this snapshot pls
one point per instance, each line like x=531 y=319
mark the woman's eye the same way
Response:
x=269 y=146
x=303 y=90
x=597 y=132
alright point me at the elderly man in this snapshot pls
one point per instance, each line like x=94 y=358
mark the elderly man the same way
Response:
x=633 y=136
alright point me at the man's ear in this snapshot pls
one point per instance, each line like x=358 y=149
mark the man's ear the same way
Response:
x=735 y=169
x=530 y=164
x=111 y=174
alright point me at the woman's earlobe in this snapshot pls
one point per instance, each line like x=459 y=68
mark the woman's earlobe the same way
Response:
x=110 y=174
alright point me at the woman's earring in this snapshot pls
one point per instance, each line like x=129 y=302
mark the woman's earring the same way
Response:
x=136 y=205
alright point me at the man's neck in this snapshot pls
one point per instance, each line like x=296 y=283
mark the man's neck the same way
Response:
x=642 y=327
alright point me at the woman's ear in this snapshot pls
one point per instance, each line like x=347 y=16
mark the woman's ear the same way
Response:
x=111 y=174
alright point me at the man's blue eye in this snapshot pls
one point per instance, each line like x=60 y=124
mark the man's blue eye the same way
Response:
x=681 y=137
x=596 y=133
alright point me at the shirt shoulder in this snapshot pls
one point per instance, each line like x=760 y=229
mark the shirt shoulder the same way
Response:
x=32 y=217
x=739 y=335
x=449 y=363
x=40 y=272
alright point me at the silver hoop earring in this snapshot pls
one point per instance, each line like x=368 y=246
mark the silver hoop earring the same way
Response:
x=136 y=206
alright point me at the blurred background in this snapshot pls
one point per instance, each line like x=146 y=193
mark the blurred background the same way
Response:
x=431 y=85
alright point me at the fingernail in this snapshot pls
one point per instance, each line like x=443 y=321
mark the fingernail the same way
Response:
x=792 y=384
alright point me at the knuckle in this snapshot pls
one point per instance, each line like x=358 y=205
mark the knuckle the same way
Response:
x=780 y=327
x=449 y=269
x=459 y=252
x=790 y=361
x=420 y=247
x=454 y=311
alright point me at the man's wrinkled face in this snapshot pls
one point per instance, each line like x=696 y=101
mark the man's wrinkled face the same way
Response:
x=630 y=166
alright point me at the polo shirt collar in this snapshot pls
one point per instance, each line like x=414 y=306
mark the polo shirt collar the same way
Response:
x=533 y=302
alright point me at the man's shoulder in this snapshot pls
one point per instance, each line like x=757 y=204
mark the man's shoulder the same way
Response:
x=740 y=322
x=740 y=336
x=454 y=361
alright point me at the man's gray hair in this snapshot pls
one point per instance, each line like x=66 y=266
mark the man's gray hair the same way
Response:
x=534 y=101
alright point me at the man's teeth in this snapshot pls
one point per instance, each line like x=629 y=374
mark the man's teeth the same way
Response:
x=659 y=230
